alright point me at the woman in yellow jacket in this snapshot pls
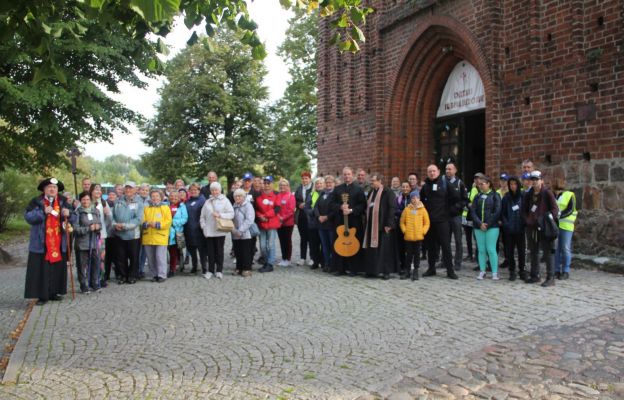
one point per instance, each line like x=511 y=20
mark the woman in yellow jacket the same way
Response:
x=414 y=225
x=156 y=224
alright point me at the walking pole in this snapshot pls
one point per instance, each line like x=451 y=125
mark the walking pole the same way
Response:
x=89 y=260
x=69 y=260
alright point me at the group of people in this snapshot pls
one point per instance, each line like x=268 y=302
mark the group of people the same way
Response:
x=134 y=226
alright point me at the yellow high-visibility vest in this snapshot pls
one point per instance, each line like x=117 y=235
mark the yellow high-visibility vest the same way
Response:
x=473 y=193
x=567 y=223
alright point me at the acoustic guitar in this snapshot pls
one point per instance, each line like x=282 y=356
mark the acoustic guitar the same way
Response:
x=347 y=244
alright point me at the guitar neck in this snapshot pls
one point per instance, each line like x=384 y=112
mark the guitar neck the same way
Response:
x=346 y=219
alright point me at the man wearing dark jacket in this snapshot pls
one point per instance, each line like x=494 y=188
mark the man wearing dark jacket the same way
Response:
x=538 y=204
x=458 y=189
x=440 y=201
x=301 y=196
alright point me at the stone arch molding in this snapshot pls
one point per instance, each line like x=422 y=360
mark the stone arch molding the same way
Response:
x=418 y=85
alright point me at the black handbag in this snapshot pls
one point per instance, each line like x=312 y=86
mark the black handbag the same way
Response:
x=548 y=226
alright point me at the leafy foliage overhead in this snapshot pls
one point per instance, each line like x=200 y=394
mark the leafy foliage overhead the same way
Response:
x=60 y=59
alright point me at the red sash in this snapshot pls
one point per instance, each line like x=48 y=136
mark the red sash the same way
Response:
x=53 y=233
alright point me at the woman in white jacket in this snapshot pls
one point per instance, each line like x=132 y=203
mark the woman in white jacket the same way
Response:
x=217 y=206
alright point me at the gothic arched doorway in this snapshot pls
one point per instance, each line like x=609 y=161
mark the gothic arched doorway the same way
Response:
x=436 y=50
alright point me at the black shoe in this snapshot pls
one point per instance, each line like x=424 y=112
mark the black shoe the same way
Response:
x=131 y=281
x=339 y=273
x=194 y=270
x=452 y=275
x=557 y=275
x=468 y=258
x=56 y=297
x=503 y=265
x=41 y=302
x=121 y=281
x=141 y=275
x=550 y=281
x=266 y=268
x=423 y=257
x=429 y=272
x=477 y=268
x=512 y=276
x=314 y=266
x=415 y=275
x=385 y=277
x=404 y=275
x=352 y=274
x=155 y=279
x=532 y=279
x=565 y=276
x=522 y=274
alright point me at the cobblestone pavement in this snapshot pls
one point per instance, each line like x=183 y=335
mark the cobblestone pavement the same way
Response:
x=581 y=361
x=297 y=333
x=12 y=302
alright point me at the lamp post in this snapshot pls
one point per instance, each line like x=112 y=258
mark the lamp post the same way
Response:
x=72 y=154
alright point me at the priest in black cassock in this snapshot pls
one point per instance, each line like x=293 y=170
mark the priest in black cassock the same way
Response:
x=379 y=247
x=354 y=210
x=46 y=269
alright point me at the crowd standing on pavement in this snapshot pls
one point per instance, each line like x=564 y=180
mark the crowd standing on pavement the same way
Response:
x=134 y=226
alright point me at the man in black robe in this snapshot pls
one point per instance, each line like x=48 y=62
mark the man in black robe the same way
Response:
x=354 y=210
x=48 y=215
x=378 y=242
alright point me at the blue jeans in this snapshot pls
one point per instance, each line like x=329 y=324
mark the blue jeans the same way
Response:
x=328 y=237
x=563 y=255
x=486 y=243
x=267 y=245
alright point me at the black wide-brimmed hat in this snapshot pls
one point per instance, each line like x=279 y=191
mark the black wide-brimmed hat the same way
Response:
x=50 y=181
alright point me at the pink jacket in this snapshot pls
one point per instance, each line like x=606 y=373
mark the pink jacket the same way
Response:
x=286 y=201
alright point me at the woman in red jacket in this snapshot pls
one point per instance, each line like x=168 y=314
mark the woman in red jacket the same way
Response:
x=267 y=210
x=286 y=202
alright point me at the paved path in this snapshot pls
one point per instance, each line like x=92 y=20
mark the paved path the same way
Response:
x=294 y=333
x=12 y=302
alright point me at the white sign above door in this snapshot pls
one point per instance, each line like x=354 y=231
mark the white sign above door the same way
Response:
x=463 y=91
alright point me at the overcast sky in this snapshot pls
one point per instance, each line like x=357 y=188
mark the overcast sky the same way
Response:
x=272 y=21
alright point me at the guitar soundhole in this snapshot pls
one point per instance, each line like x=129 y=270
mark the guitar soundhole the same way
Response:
x=346 y=232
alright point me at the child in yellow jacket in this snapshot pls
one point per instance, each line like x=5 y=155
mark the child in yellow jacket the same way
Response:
x=414 y=225
x=156 y=224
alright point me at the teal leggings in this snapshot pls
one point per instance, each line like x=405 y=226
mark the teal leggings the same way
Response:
x=486 y=243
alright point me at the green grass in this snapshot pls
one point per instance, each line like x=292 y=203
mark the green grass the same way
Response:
x=309 y=375
x=16 y=228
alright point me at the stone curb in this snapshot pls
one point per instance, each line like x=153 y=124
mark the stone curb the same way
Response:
x=595 y=263
x=19 y=352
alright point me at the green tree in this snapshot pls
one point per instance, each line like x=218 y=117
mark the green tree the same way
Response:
x=210 y=114
x=59 y=60
x=295 y=112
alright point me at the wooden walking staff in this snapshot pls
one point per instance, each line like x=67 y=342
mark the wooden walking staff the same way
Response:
x=69 y=260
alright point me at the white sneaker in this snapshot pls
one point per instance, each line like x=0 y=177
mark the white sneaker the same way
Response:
x=219 y=275
x=481 y=275
x=494 y=277
x=301 y=261
x=208 y=275
x=310 y=262
x=285 y=263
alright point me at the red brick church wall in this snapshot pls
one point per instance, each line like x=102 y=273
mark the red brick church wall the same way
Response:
x=554 y=78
